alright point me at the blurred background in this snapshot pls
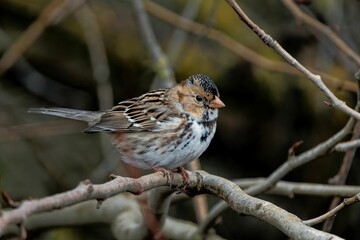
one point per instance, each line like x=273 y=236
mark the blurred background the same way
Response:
x=94 y=56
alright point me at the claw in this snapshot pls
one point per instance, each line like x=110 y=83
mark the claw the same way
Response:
x=169 y=175
x=166 y=173
x=186 y=177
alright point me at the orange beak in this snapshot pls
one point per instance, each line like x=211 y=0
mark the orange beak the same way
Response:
x=216 y=103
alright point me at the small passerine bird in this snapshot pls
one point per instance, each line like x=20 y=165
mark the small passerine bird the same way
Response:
x=162 y=129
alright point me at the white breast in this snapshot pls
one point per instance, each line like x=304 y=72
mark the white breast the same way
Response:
x=177 y=151
x=189 y=149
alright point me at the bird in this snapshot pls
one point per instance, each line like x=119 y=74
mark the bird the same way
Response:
x=162 y=129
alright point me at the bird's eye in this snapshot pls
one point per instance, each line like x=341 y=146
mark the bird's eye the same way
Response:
x=199 y=98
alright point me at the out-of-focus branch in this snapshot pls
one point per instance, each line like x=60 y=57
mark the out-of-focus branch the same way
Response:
x=234 y=46
x=85 y=191
x=322 y=28
x=122 y=212
x=160 y=61
x=200 y=202
x=200 y=182
x=332 y=213
x=345 y=146
x=41 y=85
x=315 y=79
x=99 y=64
x=52 y=14
x=98 y=57
x=155 y=209
x=341 y=176
x=179 y=36
x=293 y=188
x=290 y=189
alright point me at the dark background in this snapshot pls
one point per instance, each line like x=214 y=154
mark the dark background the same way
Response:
x=266 y=111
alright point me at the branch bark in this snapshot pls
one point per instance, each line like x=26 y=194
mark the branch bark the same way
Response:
x=322 y=28
x=159 y=59
x=200 y=182
x=315 y=79
x=282 y=170
x=237 y=48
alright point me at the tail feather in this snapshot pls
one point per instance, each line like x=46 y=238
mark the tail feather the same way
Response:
x=81 y=115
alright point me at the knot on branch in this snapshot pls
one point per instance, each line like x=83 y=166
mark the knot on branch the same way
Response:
x=267 y=39
x=88 y=186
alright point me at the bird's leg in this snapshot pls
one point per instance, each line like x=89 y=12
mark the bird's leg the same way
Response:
x=166 y=173
x=169 y=175
x=185 y=175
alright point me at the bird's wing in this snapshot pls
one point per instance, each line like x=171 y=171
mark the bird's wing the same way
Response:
x=145 y=113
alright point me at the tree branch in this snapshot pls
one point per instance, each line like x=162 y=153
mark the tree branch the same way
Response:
x=316 y=79
x=200 y=182
x=294 y=188
x=237 y=48
x=281 y=171
x=159 y=59
x=322 y=28
x=345 y=146
x=346 y=202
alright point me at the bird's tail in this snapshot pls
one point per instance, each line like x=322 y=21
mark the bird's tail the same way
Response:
x=81 y=115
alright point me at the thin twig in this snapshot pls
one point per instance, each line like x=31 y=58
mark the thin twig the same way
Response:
x=281 y=171
x=98 y=57
x=179 y=36
x=341 y=176
x=296 y=188
x=290 y=189
x=315 y=79
x=237 y=48
x=99 y=64
x=332 y=213
x=322 y=28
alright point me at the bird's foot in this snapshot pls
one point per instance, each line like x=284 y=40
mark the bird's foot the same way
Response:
x=169 y=175
x=185 y=175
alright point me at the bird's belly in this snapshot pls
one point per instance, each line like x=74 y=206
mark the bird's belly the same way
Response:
x=170 y=150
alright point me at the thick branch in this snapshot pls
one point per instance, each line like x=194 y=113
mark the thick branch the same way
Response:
x=281 y=171
x=200 y=182
x=242 y=203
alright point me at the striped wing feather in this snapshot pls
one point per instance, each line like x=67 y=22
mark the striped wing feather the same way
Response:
x=137 y=114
